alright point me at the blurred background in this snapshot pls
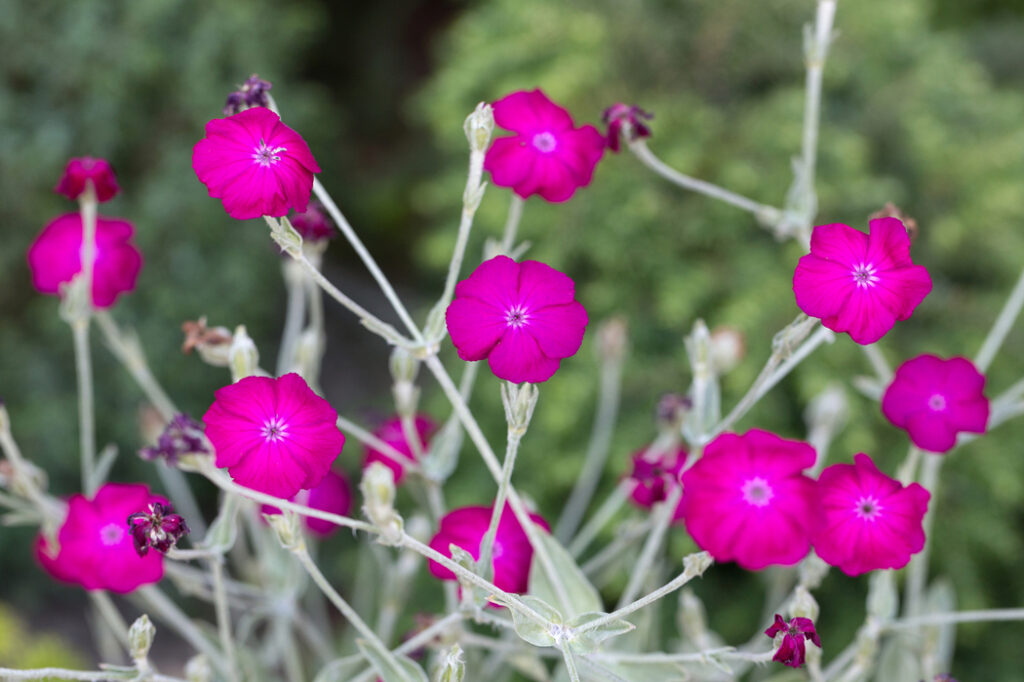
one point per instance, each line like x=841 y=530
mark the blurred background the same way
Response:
x=923 y=106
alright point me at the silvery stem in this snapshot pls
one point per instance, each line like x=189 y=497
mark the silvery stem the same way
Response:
x=1003 y=324
x=227 y=642
x=917 y=574
x=166 y=610
x=652 y=546
x=295 y=314
x=515 y=215
x=487 y=544
x=987 y=615
x=605 y=513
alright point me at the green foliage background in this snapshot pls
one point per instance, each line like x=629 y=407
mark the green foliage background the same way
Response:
x=923 y=106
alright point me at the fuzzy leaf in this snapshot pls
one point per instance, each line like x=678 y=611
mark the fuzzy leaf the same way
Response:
x=528 y=629
x=588 y=641
x=583 y=597
x=392 y=667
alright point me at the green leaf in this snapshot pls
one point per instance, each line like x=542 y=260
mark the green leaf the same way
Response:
x=340 y=670
x=392 y=667
x=588 y=641
x=583 y=597
x=647 y=672
x=528 y=629
x=224 y=530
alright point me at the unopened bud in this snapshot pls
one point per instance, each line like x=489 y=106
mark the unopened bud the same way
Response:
x=519 y=401
x=140 y=637
x=803 y=605
x=612 y=338
x=453 y=667
x=76 y=303
x=727 y=349
x=309 y=351
x=404 y=367
x=478 y=126
x=286 y=236
x=243 y=357
x=827 y=410
x=378 y=488
x=213 y=343
x=198 y=669
x=288 y=529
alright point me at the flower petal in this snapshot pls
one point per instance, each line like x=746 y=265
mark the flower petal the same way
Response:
x=517 y=358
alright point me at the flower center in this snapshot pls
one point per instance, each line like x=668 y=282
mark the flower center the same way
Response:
x=544 y=142
x=517 y=316
x=868 y=508
x=864 y=275
x=275 y=429
x=757 y=492
x=937 y=402
x=267 y=156
x=111 y=534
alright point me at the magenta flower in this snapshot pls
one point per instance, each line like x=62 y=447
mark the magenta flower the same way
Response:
x=858 y=283
x=512 y=553
x=747 y=500
x=625 y=122
x=333 y=495
x=274 y=435
x=55 y=257
x=548 y=155
x=935 y=399
x=522 y=317
x=391 y=432
x=95 y=548
x=792 y=651
x=157 y=527
x=654 y=476
x=85 y=169
x=313 y=224
x=870 y=521
x=255 y=164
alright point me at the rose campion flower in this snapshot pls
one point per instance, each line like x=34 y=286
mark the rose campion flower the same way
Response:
x=654 y=476
x=55 y=257
x=313 y=223
x=274 y=435
x=548 y=155
x=857 y=283
x=870 y=521
x=747 y=499
x=792 y=651
x=935 y=399
x=255 y=164
x=85 y=169
x=95 y=545
x=391 y=432
x=625 y=122
x=333 y=495
x=522 y=317
x=512 y=553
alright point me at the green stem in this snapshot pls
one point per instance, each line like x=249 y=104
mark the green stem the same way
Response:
x=917 y=574
x=167 y=611
x=86 y=409
x=487 y=544
x=515 y=215
x=982 y=616
x=570 y=665
x=1003 y=324
x=605 y=513
x=227 y=642
x=652 y=546
x=295 y=313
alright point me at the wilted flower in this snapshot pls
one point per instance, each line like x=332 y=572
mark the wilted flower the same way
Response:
x=792 y=651
x=936 y=399
x=654 y=476
x=157 y=527
x=522 y=317
x=252 y=93
x=625 y=122
x=84 y=169
x=548 y=155
x=55 y=257
x=183 y=435
x=273 y=435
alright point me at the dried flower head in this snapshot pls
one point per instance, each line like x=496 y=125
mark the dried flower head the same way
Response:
x=157 y=527
x=251 y=93
x=183 y=435
x=792 y=651
x=625 y=122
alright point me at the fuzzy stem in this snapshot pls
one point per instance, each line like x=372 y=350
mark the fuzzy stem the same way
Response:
x=227 y=642
x=605 y=513
x=370 y=440
x=487 y=544
x=295 y=314
x=65 y=674
x=470 y=202
x=1003 y=324
x=917 y=574
x=878 y=362
x=515 y=216
x=651 y=546
x=982 y=616
x=570 y=665
x=169 y=612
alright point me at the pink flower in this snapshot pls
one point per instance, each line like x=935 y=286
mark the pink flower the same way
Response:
x=747 y=500
x=792 y=651
x=625 y=122
x=95 y=546
x=512 y=553
x=85 y=169
x=255 y=164
x=935 y=399
x=55 y=257
x=870 y=521
x=273 y=435
x=391 y=432
x=654 y=476
x=313 y=224
x=858 y=283
x=548 y=155
x=333 y=495
x=522 y=317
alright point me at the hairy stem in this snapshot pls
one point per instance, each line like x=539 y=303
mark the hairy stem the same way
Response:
x=1003 y=324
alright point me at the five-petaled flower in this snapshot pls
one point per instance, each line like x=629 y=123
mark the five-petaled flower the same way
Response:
x=935 y=399
x=522 y=317
x=625 y=122
x=95 y=549
x=857 y=283
x=273 y=435
x=792 y=651
x=86 y=169
x=868 y=520
x=654 y=476
x=548 y=155
x=256 y=165
x=157 y=527
x=747 y=499
x=512 y=552
x=55 y=257
x=391 y=433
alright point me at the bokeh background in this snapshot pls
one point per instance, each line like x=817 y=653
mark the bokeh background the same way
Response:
x=923 y=106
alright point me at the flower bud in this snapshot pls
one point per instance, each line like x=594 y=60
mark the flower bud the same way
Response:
x=453 y=667
x=378 y=488
x=309 y=351
x=478 y=126
x=519 y=402
x=803 y=604
x=727 y=349
x=198 y=669
x=286 y=236
x=140 y=637
x=289 y=532
x=75 y=304
x=612 y=338
x=243 y=358
x=404 y=367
